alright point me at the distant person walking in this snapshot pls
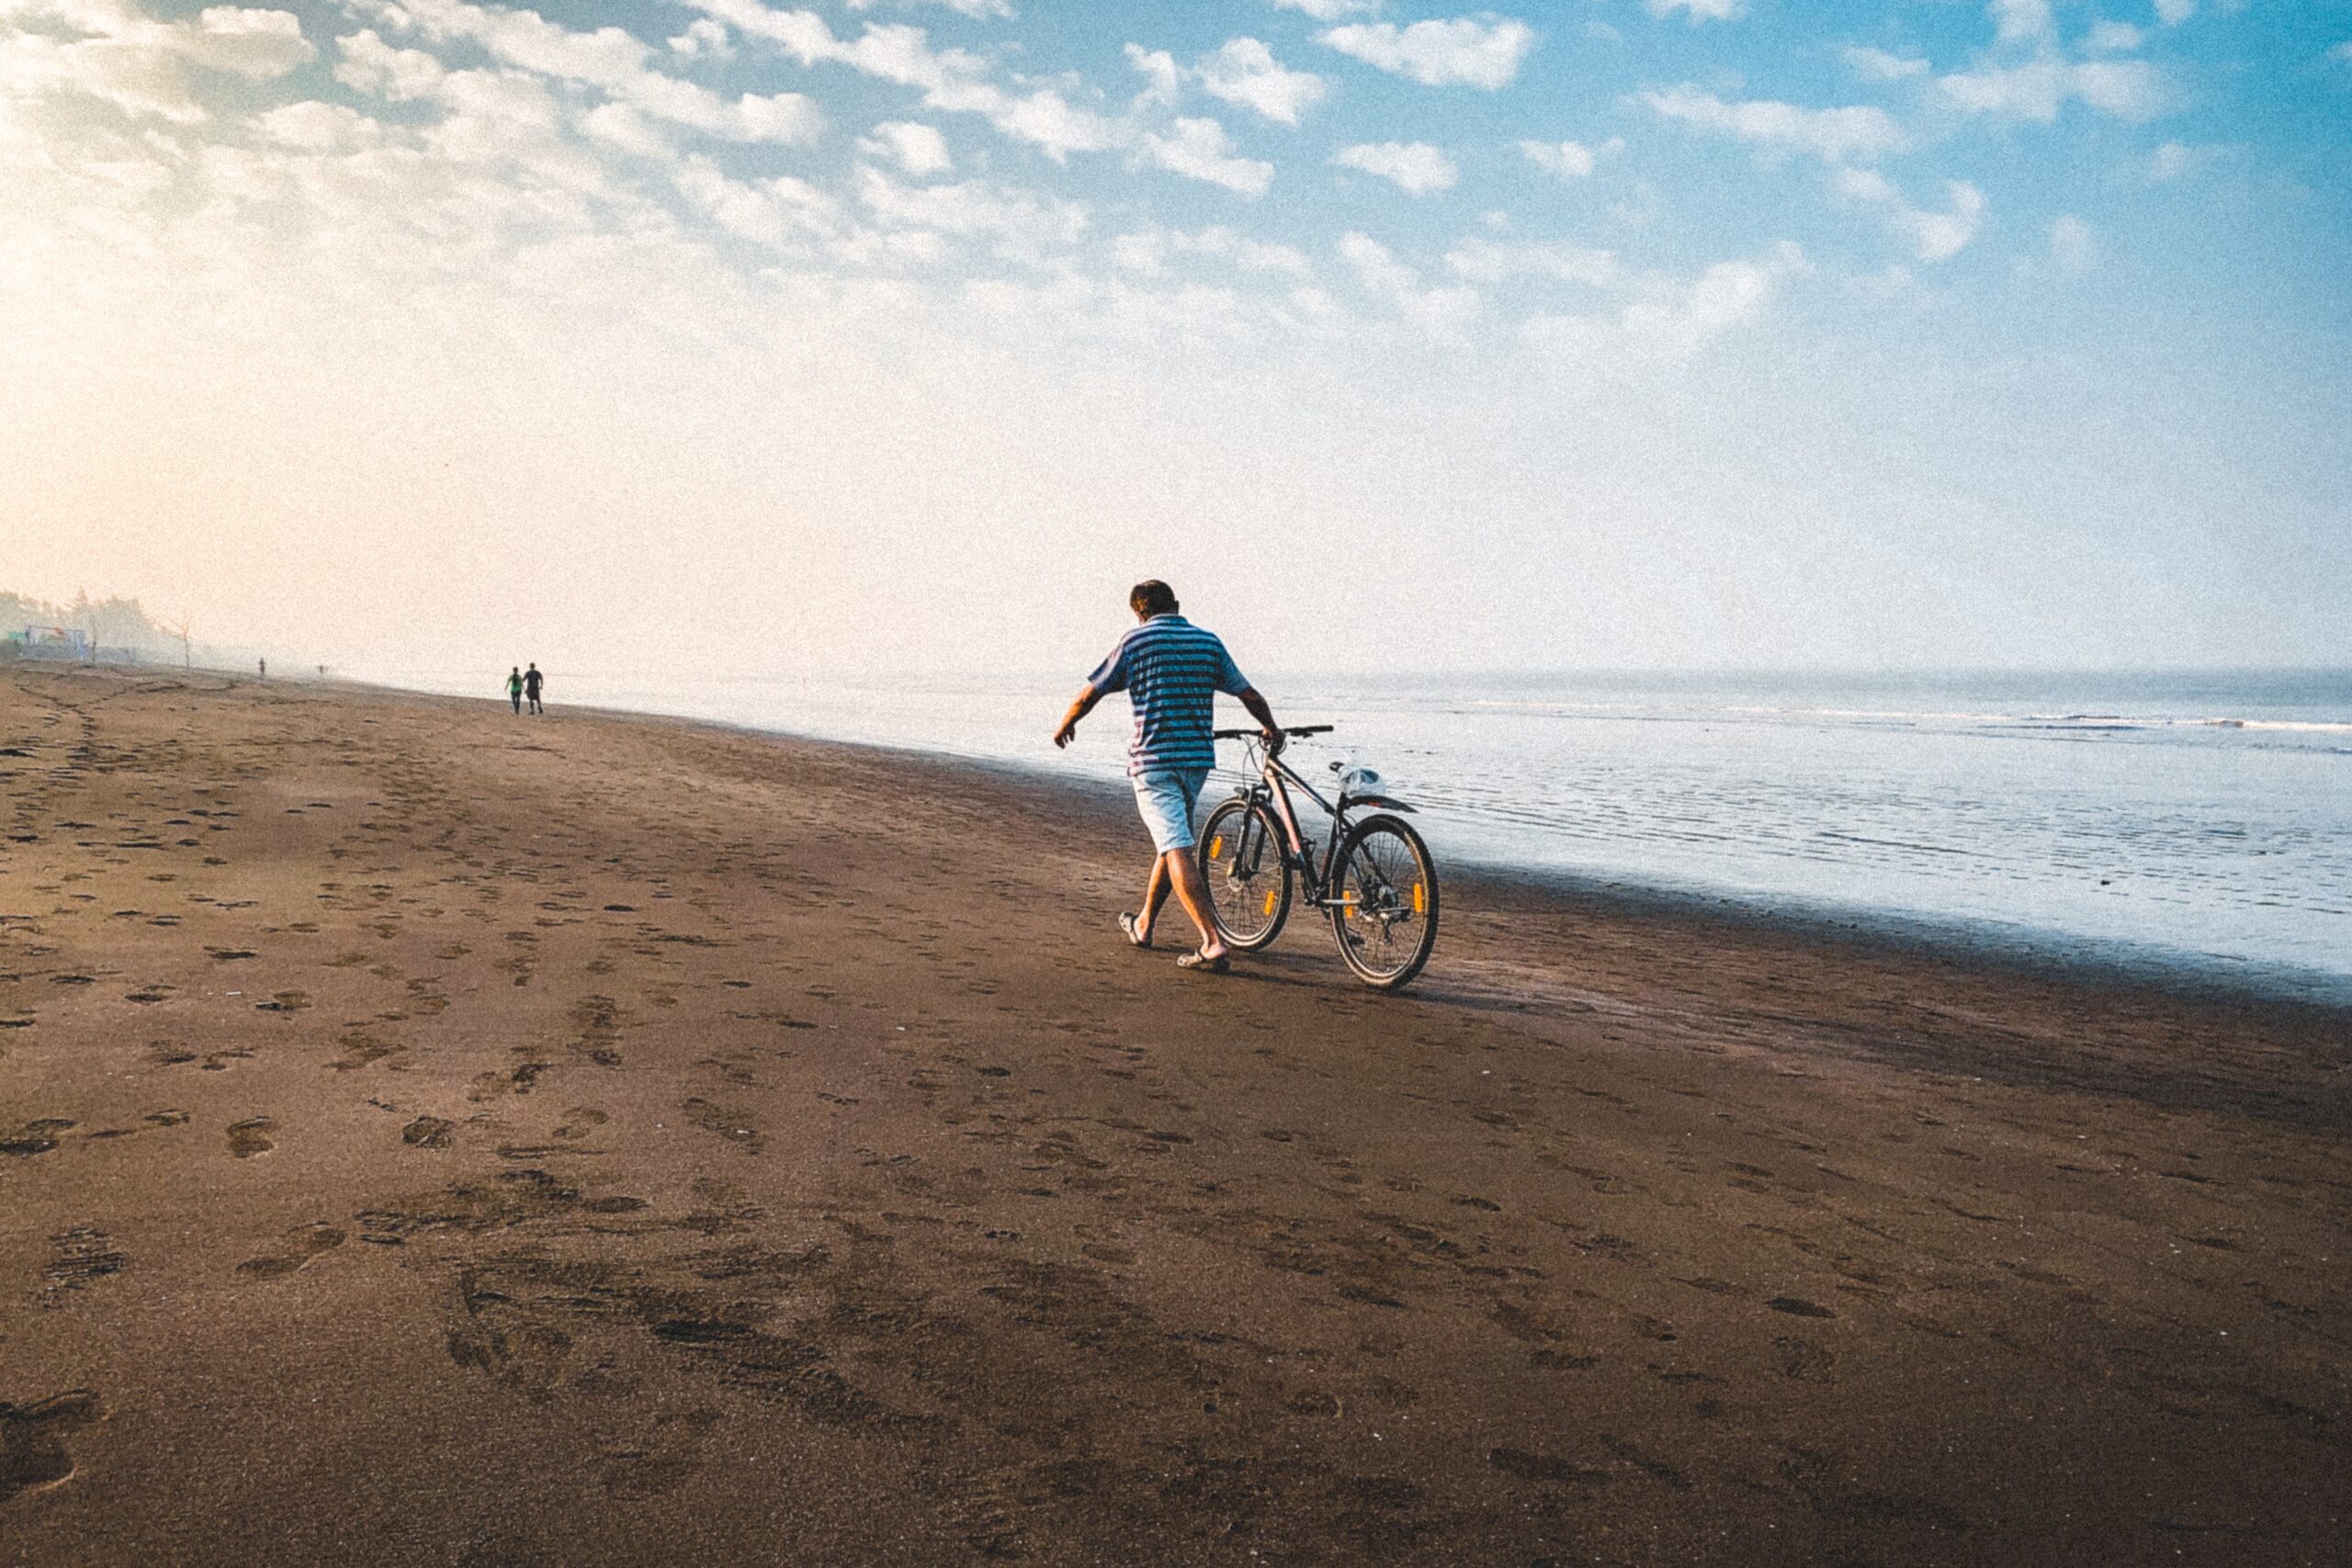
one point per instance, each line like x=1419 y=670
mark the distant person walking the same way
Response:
x=515 y=689
x=264 y=669
x=532 y=682
x=1171 y=671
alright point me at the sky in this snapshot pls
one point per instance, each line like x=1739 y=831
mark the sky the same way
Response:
x=901 y=336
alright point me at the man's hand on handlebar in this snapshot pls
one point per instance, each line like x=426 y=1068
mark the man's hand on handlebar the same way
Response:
x=1267 y=727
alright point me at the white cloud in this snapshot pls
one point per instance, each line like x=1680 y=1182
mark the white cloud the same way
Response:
x=1201 y=150
x=610 y=59
x=1025 y=224
x=1145 y=252
x=509 y=118
x=2111 y=37
x=1329 y=10
x=2171 y=13
x=1047 y=122
x=1488 y=261
x=255 y=43
x=1880 y=66
x=1943 y=235
x=1700 y=10
x=1567 y=160
x=114 y=52
x=2016 y=21
x=1416 y=168
x=1148 y=253
x=618 y=125
x=1681 y=323
x=2342 y=51
x=704 y=39
x=1163 y=77
x=371 y=65
x=781 y=212
x=1245 y=72
x=314 y=127
x=2037 y=90
x=2171 y=161
x=1934 y=236
x=918 y=149
x=1833 y=135
x=977 y=9
x=1465 y=51
x=952 y=81
x=1442 y=312
x=2073 y=249
x=1377 y=269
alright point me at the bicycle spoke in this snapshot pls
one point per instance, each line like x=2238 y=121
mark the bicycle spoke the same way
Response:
x=1249 y=879
x=1386 y=903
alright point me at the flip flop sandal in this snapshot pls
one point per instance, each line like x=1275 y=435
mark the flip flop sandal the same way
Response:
x=1128 y=924
x=1220 y=965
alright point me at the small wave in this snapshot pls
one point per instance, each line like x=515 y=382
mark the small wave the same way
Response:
x=1928 y=717
x=2308 y=727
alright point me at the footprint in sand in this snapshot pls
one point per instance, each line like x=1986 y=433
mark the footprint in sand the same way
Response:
x=301 y=1246
x=1802 y=1361
x=32 y=1440
x=251 y=1136
x=739 y=1127
x=83 y=1254
x=35 y=1137
x=1520 y=1464
x=428 y=1133
x=580 y=1121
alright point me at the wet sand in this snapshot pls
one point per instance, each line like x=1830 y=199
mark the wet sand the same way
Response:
x=431 y=1136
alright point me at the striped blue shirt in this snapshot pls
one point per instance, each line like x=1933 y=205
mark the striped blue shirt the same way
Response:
x=1171 y=671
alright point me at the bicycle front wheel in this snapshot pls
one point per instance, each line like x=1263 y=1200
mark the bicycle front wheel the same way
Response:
x=1248 y=877
x=1385 y=913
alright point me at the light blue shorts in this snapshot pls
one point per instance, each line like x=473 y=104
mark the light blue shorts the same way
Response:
x=1165 y=796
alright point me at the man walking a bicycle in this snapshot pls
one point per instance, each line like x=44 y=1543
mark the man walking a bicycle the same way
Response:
x=1171 y=671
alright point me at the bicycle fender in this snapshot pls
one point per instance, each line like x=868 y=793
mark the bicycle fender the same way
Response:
x=1386 y=802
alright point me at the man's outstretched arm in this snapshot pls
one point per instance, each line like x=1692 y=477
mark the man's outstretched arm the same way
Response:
x=1079 y=708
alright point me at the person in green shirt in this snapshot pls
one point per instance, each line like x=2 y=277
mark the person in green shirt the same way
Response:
x=514 y=688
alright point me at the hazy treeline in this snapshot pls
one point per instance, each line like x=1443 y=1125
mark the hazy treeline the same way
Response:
x=111 y=623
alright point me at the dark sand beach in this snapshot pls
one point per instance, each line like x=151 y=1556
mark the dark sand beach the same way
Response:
x=432 y=1136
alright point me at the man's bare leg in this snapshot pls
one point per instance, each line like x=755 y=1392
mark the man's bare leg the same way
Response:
x=1192 y=891
x=1155 y=897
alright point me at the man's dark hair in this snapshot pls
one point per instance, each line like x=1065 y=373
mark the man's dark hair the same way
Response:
x=1152 y=598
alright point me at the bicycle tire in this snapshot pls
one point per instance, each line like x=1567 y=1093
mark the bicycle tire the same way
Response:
x=1388 y=925
x=1240 y=849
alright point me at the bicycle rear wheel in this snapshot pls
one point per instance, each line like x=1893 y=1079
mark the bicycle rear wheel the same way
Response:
x=1248 y=877
x=1385 y=919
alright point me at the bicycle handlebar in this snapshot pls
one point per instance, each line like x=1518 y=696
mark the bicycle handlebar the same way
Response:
x=1254 y=734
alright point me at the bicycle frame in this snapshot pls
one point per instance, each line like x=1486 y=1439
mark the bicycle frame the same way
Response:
x=1275 y=777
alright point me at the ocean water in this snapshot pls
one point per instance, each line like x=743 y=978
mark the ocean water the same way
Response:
x=2200 y=819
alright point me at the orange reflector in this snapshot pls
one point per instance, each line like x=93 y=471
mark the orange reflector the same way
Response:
x=1215 y=844
x=1270 y=901
x=1420 y=899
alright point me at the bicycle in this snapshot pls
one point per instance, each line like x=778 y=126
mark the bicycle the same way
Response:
x=1376 y=881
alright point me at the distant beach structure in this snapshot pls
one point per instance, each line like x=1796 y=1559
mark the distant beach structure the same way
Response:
x=52 y=642
x=84 y=630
